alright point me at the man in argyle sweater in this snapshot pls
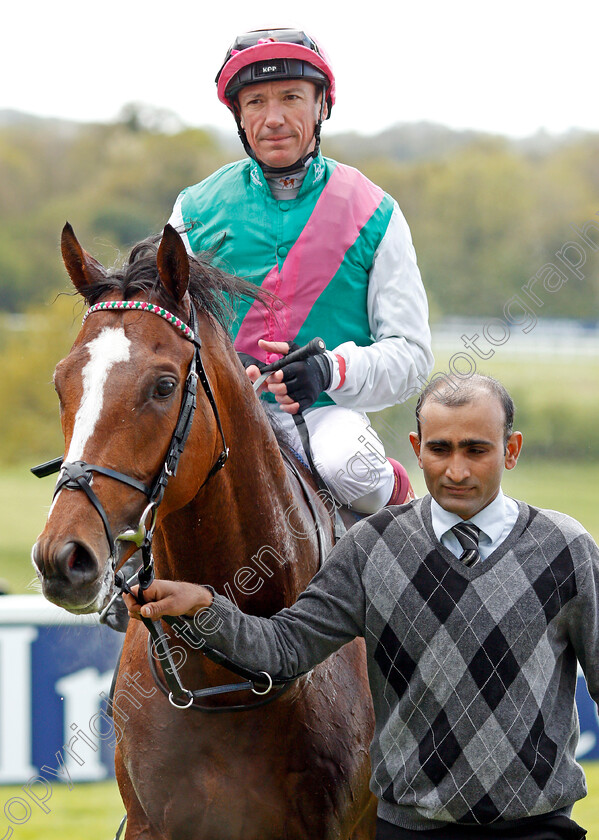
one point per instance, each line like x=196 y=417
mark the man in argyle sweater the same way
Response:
x=472 y=634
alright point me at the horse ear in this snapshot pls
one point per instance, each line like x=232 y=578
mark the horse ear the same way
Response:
x=173 y=263
x=83 y=269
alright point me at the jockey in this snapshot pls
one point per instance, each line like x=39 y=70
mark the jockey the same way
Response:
x=334 y=249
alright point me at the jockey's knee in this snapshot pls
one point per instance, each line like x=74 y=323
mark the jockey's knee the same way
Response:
x=350 y=458
x=357 y=477
x=392 y=488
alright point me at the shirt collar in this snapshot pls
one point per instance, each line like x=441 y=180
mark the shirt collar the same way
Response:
x=314 y=174
x=490 y=519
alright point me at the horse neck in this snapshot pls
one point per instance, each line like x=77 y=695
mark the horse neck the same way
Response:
x=246 y=532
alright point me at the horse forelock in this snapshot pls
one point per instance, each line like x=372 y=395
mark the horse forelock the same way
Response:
x=213 y=291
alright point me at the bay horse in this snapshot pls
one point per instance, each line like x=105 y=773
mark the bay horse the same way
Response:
x=299 y=767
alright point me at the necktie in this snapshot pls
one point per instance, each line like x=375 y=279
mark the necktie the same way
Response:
x=467 y=535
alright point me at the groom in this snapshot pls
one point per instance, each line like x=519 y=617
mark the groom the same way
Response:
x=475 y=609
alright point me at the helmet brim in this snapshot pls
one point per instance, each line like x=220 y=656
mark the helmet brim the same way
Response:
x=264 y=52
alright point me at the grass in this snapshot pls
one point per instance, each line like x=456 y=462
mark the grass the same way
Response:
x=570 y=487
x=557 y=404
x=94 y=811
x=25 y=504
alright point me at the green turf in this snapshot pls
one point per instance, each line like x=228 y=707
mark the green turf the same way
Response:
x=564 y=486
x=90 y=811
x=23 y=510
x=93 y=811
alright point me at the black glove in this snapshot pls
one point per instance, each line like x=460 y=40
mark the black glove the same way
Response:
x=247 y=360
x=307 y=379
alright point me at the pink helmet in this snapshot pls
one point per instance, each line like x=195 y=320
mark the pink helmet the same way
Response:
x=274 y=54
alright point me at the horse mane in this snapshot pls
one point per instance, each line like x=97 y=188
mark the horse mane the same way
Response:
x=212 y=290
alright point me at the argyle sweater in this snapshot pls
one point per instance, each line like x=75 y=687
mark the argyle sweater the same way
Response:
x=472 y=670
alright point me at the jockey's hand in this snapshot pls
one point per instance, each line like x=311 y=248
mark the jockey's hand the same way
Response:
x=253 y=368
x=299 y=384
x=304 y=381
x=249 y=361
x=168 y=597
x=274 y=383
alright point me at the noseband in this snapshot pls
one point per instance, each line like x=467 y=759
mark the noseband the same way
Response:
x=77 y=475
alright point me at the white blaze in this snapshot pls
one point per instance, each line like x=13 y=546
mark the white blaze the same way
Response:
x=110 y=347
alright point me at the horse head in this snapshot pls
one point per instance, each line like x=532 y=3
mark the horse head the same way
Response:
x=120 y=390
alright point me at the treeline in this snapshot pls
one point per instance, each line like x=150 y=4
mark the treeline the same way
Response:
x=486 y=214
x=488 y=218
x=115 y=183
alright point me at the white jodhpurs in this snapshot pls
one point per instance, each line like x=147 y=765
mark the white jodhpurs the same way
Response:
x=348 y=454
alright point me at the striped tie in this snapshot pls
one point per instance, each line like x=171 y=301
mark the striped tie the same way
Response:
x=467 y=535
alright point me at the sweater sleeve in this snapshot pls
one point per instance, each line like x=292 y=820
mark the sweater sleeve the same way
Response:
x=327 y=615
x=397 y=364
x=583 y=615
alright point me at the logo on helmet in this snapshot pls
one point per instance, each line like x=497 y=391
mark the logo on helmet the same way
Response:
x=273 y=66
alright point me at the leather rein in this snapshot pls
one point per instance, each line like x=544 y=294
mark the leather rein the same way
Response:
x=78 y=475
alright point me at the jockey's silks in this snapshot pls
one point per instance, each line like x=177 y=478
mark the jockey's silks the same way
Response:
x=314 y=253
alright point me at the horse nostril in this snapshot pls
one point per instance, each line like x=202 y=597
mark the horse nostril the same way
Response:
x=77 y=563
x=38 y=560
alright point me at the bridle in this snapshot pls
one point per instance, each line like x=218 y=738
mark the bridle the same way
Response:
x=78 y=475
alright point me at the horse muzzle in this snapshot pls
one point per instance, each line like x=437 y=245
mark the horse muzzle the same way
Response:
x=72 y=575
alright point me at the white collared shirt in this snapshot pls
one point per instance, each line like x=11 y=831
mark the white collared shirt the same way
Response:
x=495 y=521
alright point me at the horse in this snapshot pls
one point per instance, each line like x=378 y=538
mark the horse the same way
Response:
x=299 y=766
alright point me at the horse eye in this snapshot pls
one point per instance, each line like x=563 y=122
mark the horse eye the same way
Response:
x=164 y=388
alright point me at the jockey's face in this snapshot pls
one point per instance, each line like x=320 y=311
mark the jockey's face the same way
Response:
x=279 y=119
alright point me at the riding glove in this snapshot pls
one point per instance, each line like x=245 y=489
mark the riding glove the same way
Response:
x=247 y=360
x=307 y=379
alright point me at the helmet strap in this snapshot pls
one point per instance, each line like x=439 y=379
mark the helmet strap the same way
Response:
x=300 y=163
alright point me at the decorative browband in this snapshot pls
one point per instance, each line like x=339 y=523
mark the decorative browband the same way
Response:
x=143 y=306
